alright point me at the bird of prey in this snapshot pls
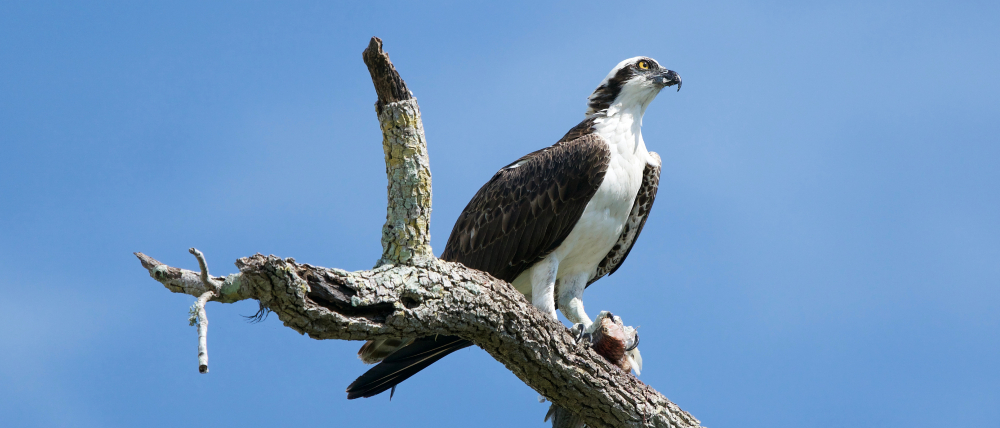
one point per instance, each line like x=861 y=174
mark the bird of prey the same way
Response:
x=552 y=222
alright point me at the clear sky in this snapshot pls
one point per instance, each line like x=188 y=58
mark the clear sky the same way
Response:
x=824 y=250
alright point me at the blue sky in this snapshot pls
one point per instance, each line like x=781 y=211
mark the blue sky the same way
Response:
x=824 y=250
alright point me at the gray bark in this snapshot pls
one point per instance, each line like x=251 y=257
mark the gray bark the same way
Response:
x=406 y=234
x=412 y=294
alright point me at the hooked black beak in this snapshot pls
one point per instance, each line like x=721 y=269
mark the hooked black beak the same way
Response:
x=669 y=78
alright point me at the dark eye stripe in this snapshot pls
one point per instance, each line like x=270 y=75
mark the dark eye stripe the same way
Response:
x=605 y=94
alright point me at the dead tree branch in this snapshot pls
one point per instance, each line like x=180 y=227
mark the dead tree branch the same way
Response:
x=412 y=294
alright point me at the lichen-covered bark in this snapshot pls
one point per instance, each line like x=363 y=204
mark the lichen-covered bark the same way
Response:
x=438 y=297
x=406 y=234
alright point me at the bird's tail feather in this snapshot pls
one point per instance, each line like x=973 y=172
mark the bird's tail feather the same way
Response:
x=562 y=418
x=376 y=350
x=404 y=363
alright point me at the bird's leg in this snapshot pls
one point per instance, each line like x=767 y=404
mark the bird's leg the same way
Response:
x=571 y=303
x=571 y=299
x=543 y=285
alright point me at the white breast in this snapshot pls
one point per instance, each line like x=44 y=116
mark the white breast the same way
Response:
x=602 y=221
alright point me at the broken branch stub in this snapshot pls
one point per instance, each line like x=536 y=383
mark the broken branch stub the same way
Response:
x=406 y=237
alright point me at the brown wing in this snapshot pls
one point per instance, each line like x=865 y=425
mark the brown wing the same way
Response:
x=529 y=207
x=636 y=220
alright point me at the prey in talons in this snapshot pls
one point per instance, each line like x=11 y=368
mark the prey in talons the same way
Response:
x=613 y=340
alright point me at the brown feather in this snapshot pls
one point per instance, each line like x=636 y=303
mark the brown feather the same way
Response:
x=525 y=211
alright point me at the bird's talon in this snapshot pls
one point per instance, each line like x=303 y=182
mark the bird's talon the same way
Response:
x=580 y=332
x=635 y=343
x=577 y=332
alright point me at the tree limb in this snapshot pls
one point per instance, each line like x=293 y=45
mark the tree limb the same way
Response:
x=412 y=294
x=406 y=234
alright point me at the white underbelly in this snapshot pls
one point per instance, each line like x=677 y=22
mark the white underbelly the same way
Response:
x=602 y=221
x=600 y=225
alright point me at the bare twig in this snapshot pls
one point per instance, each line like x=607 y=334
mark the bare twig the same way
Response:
x=201 y=316
x=203 y=331
x=210 y=283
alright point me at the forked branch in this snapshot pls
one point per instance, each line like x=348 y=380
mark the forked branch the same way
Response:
x=412 y=294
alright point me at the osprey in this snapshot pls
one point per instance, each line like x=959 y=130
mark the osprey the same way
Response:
x=552 y=222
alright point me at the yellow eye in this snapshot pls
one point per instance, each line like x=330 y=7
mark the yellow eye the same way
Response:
x=643 y=65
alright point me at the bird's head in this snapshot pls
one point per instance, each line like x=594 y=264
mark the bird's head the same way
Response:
x=633 y=83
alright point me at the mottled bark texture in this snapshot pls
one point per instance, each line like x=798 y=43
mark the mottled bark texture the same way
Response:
x=406 y=235
x=419 y=295
x=443 y=298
